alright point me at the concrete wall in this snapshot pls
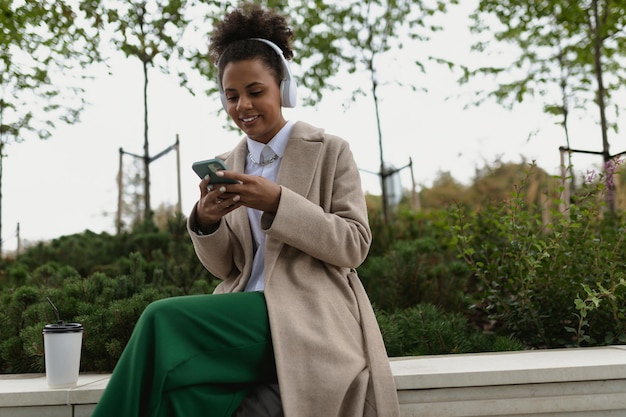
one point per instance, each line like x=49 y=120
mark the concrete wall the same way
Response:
x=585 y=382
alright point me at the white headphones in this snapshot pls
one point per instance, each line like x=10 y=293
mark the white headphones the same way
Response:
x=288 y=87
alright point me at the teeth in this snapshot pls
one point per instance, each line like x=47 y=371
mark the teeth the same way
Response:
x=248 y=119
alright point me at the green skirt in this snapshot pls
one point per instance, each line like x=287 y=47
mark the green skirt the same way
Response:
x=192 y=356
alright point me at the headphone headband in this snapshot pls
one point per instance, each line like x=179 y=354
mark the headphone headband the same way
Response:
x=288 y=87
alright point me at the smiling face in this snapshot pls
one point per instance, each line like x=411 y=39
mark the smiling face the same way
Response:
x=253 y=99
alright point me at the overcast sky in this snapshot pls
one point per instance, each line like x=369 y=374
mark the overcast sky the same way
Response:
x=67 y=184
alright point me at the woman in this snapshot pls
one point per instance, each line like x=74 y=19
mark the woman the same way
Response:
x=285 y=240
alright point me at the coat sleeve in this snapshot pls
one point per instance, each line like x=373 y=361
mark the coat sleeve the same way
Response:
x=331 y=226
x=220 y=252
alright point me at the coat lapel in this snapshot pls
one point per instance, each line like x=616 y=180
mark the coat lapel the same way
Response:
x=299 y=163
x=297 y=171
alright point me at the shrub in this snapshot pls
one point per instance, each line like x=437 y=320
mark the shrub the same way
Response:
x=108 y=308
x=416 y=271
x=426 y=330
x=530 y=272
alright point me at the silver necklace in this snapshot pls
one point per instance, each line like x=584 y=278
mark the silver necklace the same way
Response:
x=269 y=161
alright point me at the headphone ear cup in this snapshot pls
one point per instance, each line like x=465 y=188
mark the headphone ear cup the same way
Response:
x=288 y=93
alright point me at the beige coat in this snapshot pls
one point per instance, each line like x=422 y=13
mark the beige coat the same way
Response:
x=330 y=356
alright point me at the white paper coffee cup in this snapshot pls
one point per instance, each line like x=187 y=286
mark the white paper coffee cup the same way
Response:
x=62 y=348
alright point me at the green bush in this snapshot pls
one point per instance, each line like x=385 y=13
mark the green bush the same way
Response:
x=83 y=300
x=416 y=271
x=426 y=330
x=108 y=308
x=442 y=281
x=107 y=297
x=531 y=272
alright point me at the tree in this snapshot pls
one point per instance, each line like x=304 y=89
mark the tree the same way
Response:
x=577 y=46
x=369 y=29
x=445 y=191
x=329 y=36
x=350 y=35
x=41 y=46
x=318 y=53
x=149 y=30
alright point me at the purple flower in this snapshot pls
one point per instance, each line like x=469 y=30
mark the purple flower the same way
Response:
x=610 y=168
x=589 y=176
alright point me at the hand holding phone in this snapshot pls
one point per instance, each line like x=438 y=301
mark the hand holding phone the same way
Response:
x=210 y=167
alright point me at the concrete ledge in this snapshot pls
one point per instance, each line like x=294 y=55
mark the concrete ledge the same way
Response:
x=31 y=389
x=28 y=395
x=588 y=382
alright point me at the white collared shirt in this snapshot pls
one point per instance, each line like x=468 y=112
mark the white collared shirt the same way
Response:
x=270 y=171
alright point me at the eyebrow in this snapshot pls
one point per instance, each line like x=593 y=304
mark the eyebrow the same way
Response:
x=252 y=84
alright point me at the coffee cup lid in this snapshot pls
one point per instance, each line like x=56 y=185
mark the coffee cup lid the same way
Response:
x=63 y=328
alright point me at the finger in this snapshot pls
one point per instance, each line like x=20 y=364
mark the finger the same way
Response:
x=231 y=175
x=233 y=207
x=228 y=201
x=205 y=187
x=211 y=188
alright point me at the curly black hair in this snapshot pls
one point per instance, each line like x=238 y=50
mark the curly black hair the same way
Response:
x=231 y=38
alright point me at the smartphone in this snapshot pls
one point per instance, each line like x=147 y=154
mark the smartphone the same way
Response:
x=210 y=167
